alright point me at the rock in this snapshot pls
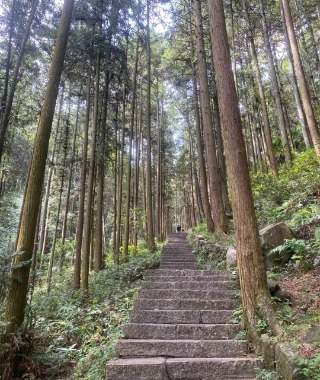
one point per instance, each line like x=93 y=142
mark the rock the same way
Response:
x=316 y=261
x=313 y=335
x=273 y=286
x=271 y=237
x=231 y=257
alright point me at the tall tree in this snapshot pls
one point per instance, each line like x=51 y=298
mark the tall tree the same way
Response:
x=219 y=216
x=18 y=287
x=14 y=81
x=305 y=95
x=256 y=299
x=149 y=206
x=275 y=86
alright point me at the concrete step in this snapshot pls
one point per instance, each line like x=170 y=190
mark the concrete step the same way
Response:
x=180 y=331
x=186 y=304
x=181 y=369
x=217 y=277
x=178 y=266
x=181 y=348
x=187 y=294
x=181 y=316
x=184 y=273
x=192 y=285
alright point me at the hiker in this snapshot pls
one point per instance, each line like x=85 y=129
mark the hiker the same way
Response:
x=178 y=228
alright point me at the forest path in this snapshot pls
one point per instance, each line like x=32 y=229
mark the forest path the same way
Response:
x=181 y=325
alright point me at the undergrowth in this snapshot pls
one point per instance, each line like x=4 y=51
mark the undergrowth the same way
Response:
x=74 y=334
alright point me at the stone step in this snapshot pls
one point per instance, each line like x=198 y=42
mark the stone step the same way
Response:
x=181 y=348
x=187 y=294
x=197 y=278
x=180 y=331
x=186 y=304
x=192 y=285
x=178 y=266
x=182 y=369
x=184 y=273
x=177 y=259
x=181 y=316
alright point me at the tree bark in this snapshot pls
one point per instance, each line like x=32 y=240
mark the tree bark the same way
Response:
x=275 y=86
x=18 y=287
x=129 y=169
x=256 y=298
x=87 y=229
x=219 y=216
x=82 y=190
x=265 y=116
x=14 y=81
x=150 y=229
x=202 y=166
x=305 y=95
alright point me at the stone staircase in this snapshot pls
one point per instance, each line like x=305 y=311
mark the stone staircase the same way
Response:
x=180 y=327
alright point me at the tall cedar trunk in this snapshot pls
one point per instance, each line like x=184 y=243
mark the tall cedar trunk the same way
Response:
x=265 y=116
x=98 y=249
x=149 y=208
x=220 y=149
x=14 y=81
x=66 y=207
x=191 y=171
x=301 y=115
x=82 y=190
x=275 y=86
x=159 y=168
x=137 y=173
x=62 y=175
x=45 y=213
x=120 y=181
x=219 y=216
x=256 y=299
x=202 y=166
x=9 y=58
x=129 y=169
x=18 y=286
x=305 y=95
x=87 y=229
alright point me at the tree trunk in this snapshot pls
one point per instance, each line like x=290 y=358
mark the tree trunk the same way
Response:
x=301 y=115
x=129 y=170
x=8 y=60
x=202 y=166
x=150 y=230
x=305 y=95
x=18 y=287
x=87 y=229
x=66 y=208
x=98 y=249
x=275 y=86
x=265 y=116
x=7 y=111
x=256 y=298
x=120 y=182
x=82 y=191
x=219 y=216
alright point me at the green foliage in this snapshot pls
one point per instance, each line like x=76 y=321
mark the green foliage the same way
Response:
x=310 y=368
x=296 y=247
x=264 y=374
x=237 y=315
x=10 y=207
x=288 y=198
x=83 y=328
